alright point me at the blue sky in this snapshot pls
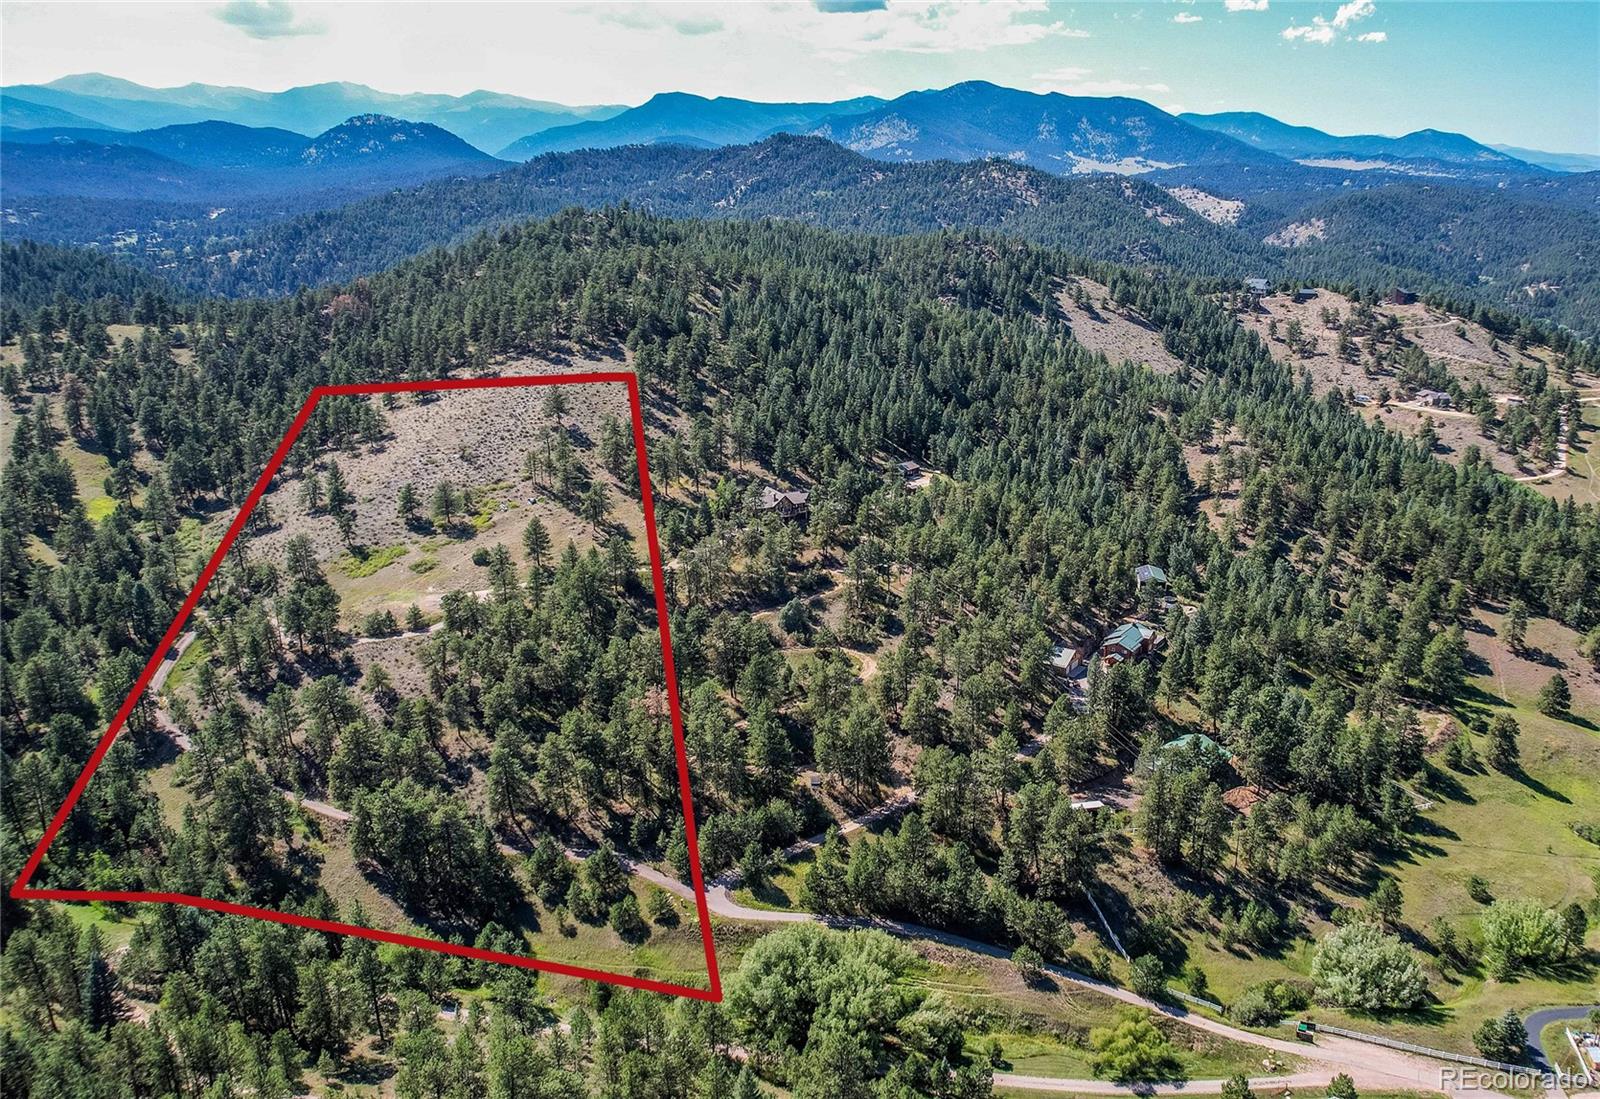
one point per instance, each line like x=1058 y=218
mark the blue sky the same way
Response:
x=1523 y=72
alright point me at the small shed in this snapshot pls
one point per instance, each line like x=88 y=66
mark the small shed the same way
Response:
x=1064 y=661
x=1148 y=574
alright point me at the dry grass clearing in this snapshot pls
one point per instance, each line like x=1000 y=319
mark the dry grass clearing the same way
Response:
x=473 y=439
x=1121 y=335
x=1468 y=351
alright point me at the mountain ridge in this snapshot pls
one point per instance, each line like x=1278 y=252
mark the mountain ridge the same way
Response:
x=1440 y=149
x=485 y=119
x=222 y=159
x=665 y=116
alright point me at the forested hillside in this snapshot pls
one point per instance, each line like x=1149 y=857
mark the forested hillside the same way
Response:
x=1522 y=249
x=1322 y=583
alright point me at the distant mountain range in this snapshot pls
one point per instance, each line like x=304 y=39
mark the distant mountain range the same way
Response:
x=967 y=121
x=1424 y=152
x=263 y=208
x=677 y=118
x=1058 y=133
x=1556 y=162
x=223 y=160
x=488 y=120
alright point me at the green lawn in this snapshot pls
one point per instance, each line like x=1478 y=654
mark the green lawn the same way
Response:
x=1512 y=830
x=370 y=561
x=187 y=664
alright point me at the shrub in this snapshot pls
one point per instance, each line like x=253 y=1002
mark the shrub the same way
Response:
x=1360 y=967
x=1501 y=1038
x=1255 y=1007
x=1028 y=963
x=1478 y=890
x=1148 y=977
x=1518 y=933
x=1134 y=1050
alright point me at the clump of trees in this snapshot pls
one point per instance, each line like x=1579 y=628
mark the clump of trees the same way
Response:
x=1359 y=966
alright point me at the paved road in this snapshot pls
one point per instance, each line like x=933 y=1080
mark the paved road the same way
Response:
x=1536 y=1021
x=1371 y=1067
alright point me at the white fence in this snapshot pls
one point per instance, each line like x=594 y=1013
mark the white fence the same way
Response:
x=1445 y=1055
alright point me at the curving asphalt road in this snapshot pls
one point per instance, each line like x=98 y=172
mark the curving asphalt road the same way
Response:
x=1536 y=1021
x=1371 y=1067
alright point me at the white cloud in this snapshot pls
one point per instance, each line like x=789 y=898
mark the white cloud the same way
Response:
x=1349 y=13
x=1187 y=17
x=1245 y=5
x=940 y=27
x=1322 y=31
x=266 y=19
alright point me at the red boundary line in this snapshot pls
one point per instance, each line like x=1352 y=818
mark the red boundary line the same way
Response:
x=21 y=890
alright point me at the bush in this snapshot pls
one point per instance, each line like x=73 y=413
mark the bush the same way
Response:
x=1148 y=977
x=1501 y=1038
x=1478 y=890
x=1255 y=1007
x=1519 y=933
x=1264 y=1004
x=480 y=556
x=1362 y=968
x=1028 y=963
x=1134 y=1050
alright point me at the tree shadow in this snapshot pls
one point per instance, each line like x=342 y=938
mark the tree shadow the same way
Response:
x=1538 y=787
x=1439 y=781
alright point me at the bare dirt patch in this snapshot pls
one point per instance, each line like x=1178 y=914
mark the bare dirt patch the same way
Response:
x=474 y=440
x=1468 y=352
x=1298 y=233
x=1214 y=208
x=1121 y=335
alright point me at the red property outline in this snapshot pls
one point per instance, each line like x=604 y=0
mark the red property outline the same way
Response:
x=21 y=890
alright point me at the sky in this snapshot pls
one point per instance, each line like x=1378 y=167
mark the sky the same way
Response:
x=1519 y=72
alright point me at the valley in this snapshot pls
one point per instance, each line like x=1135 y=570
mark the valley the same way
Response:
x=724 y=571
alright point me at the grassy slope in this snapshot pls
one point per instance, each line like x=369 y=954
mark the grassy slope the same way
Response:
x=1511 y=830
